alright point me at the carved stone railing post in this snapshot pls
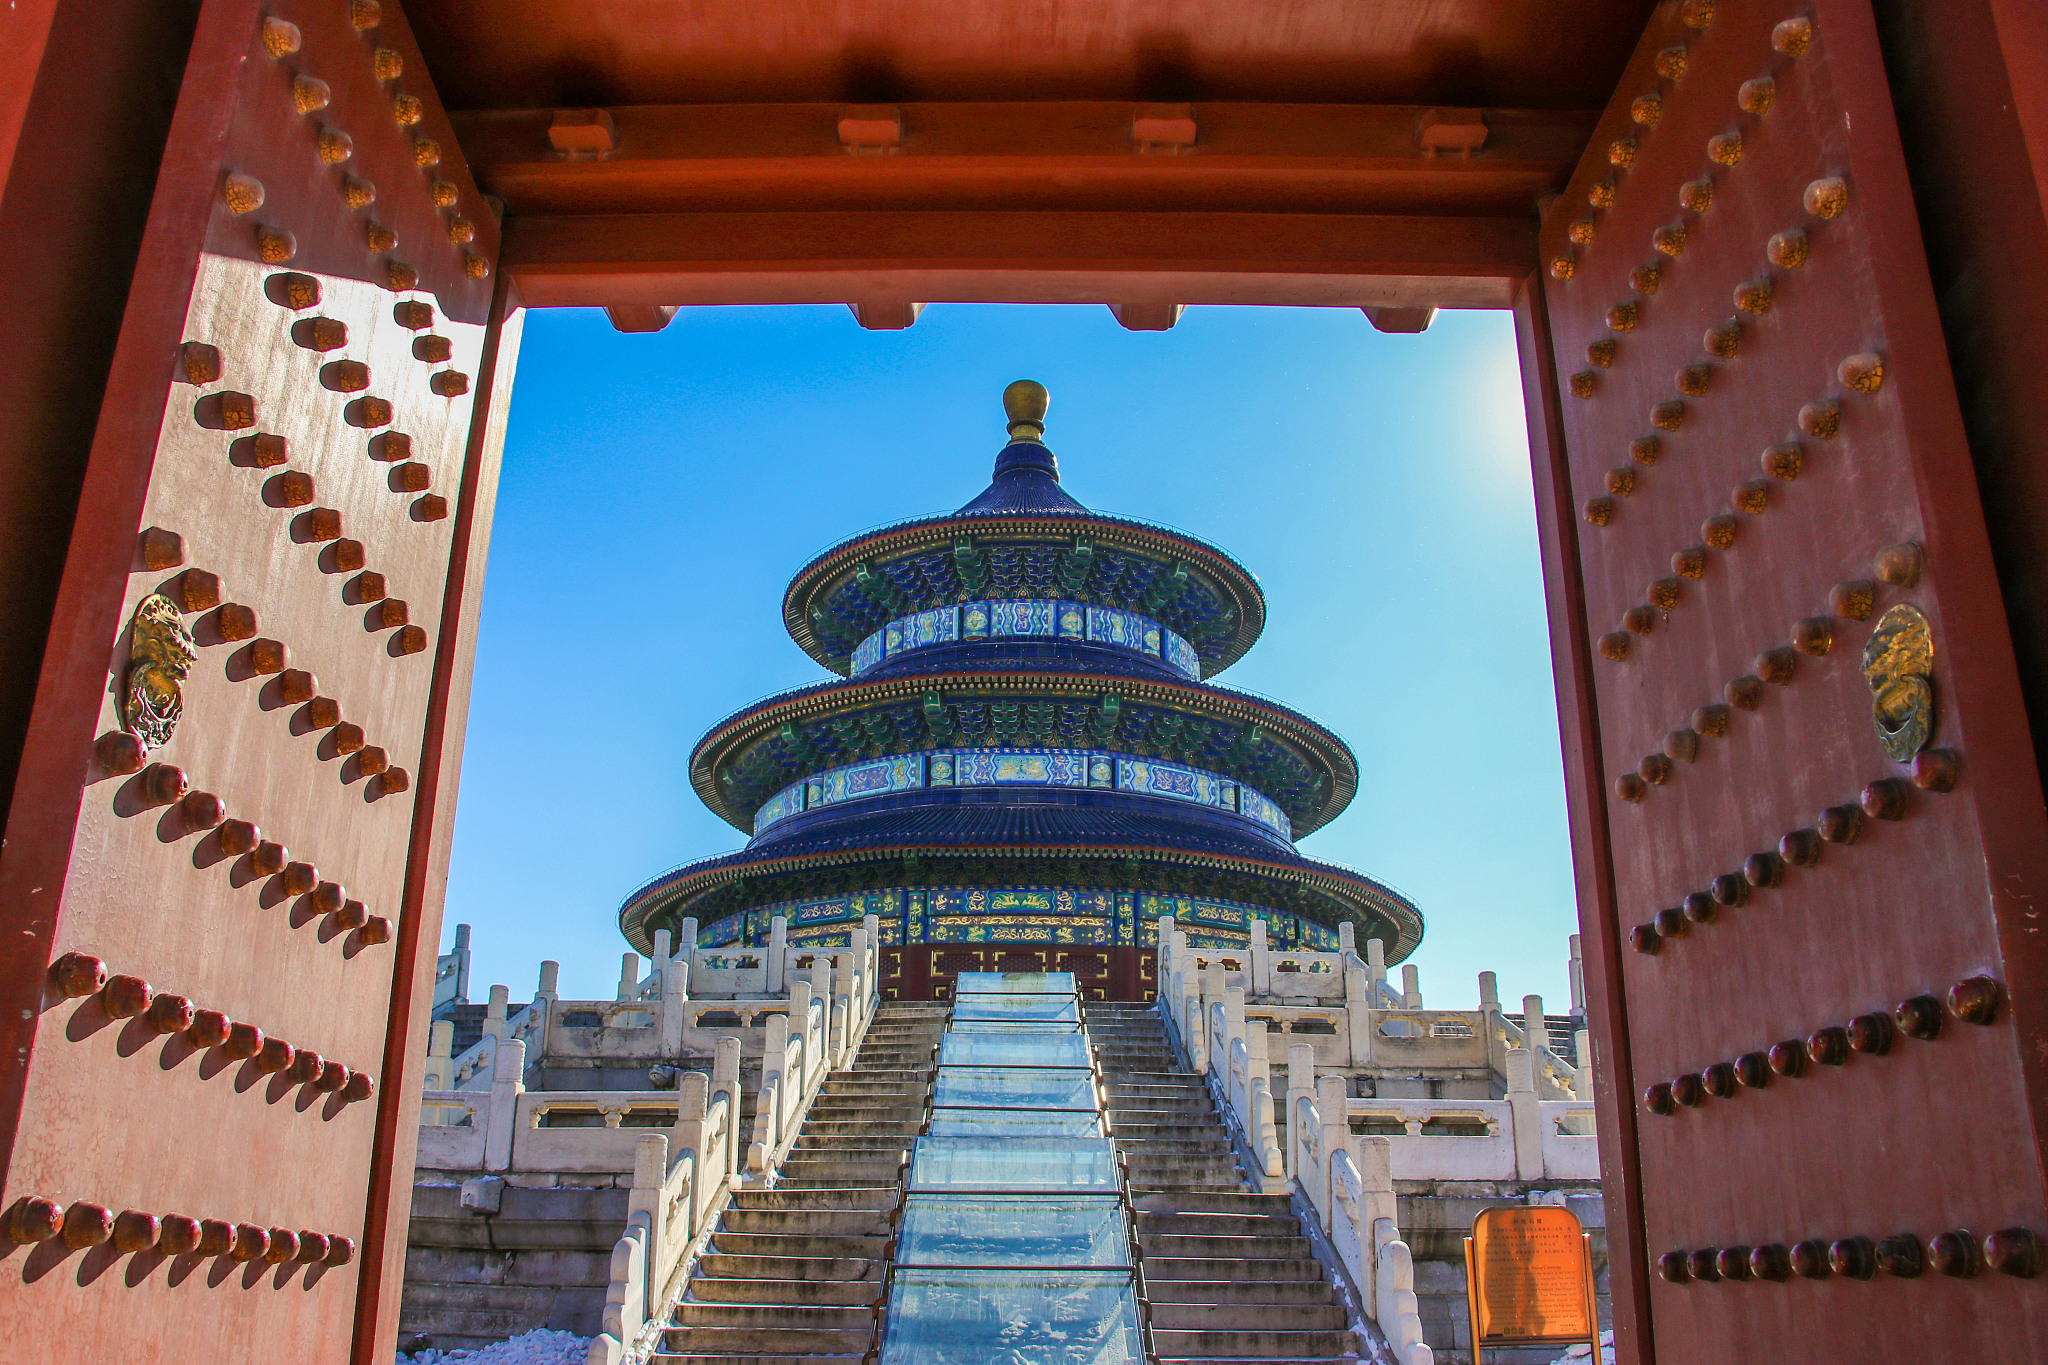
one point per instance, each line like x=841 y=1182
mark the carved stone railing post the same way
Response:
x=1527 y=1116
x=725 y=1080
x=1301 y=1085
x=508 y=1071
x=1358 y=1005
x=778 y=955
x=650 y=1179
x=1261 y=973
x=686 y=943
x=1331 y=1109
x=675 y=1005
x=494 y=1012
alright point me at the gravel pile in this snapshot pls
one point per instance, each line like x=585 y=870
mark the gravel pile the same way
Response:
x=538 y=1347
x=1581 y=1355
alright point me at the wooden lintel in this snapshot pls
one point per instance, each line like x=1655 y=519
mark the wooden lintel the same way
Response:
x=1019 y=155
x=1062 y=257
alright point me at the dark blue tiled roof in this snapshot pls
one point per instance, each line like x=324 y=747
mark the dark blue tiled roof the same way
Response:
x=1028 y=481
x=1018 y=655
x=969 y=817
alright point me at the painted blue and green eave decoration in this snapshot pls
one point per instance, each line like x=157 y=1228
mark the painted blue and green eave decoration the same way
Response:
x=1023 y=747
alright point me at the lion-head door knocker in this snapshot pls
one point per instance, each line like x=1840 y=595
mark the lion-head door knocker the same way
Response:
x=1898 y=663
x=160 y=655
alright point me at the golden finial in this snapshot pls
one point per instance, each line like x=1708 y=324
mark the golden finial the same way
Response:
x=1025 y=403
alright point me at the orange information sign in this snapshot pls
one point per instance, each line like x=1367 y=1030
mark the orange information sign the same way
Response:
x=1529 y=1279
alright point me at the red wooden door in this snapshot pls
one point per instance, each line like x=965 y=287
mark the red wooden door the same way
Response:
x=233 y=806
x=1806 y=815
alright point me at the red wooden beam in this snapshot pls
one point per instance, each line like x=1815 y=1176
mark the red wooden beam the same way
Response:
x=1067 y=154
x=1055 y=257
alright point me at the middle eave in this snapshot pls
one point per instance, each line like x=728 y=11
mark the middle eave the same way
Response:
x=754 y=723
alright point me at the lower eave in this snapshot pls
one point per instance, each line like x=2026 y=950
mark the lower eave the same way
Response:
x=689 y=883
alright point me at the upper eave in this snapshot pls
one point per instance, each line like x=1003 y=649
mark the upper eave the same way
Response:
x=1233 y=582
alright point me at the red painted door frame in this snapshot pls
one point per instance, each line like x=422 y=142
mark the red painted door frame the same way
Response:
x=1936 y=98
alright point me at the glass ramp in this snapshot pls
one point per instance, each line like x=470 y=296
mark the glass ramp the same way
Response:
x=1015 y=1246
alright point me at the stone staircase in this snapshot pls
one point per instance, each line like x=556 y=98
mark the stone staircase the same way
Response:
x=1228 y=1272
x=795 y=1272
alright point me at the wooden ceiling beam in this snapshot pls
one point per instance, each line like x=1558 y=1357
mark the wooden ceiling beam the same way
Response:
x=1070 y=154
x=1079 y=256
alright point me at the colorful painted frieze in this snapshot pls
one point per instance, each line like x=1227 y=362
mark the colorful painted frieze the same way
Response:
x=1072 y=620
x=1255 y=806
x=1019 y=767
x=974 y=620
x=1108 y=626
x=873 y=778
x=867 y=653
x=1020 y=618
x=1153 y=778
x=721 y=932
x=1041 y=900
x=1030 y=929
x=1182 y=656
x=785 y=803
x=937 y=626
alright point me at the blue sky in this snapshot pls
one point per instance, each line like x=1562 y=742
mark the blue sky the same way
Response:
x=660 y=490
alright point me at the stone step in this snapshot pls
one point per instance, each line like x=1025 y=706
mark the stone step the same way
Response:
x=1162 y=1273
x=770 y=1316
x=759 y=1341
x=1175 y=1170
x=851 y=1172
x=1212 y=1224
x=726 y=1265
x=1240 y=1317
x=1118 y=1088
x=852 y=1147
x=817 y=1126
x=1192 y=1201
x=1188 y=1130
x=1234 y=1291
x=854 y=1294
x=920 y=1074
x=790 y=1244
x=1225 y=1248
x=1172 y=1147
x=874 y=1197
x=827 y=1223
x=836 y=1112
x=855 y=1083
x=1193 y=1103
x=1246 y=1345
